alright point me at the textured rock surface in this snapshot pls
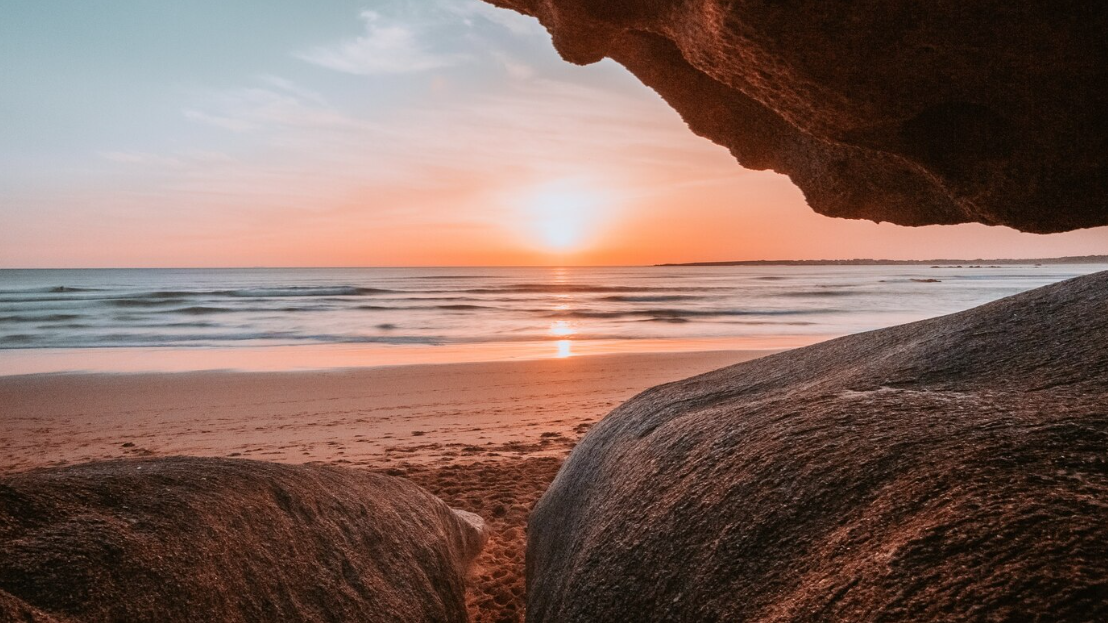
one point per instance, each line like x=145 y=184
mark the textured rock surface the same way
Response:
x=950 y=469
x=189 y=539
x=13 y=609
x=905 y=111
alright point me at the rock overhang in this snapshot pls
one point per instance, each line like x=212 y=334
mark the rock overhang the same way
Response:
x=911 y=113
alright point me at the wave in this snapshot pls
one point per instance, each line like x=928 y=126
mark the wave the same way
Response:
x=189 y=325
x=304 y=291
x=452 y=307
x=778 y=323
x=165 y=294
x=197 y=310
x=790 y=323
x=437 y=277
x=24 y=341
x=264 y=293
x=139 y=302
x=459 y=307
x=821 y=293
x=39 y=318
x=215 y=309
x=575 y=288
x=166 y=297
x=43 y=298
x=661 y=298
x=661 y=314
x=48 y=290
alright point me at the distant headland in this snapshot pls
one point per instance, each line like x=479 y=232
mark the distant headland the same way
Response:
x=1076 y=259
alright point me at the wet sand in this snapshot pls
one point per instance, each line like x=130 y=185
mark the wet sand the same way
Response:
x=485 y=437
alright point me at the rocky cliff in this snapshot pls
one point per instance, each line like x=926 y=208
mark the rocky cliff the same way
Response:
x=949 y=469
x=911 y=112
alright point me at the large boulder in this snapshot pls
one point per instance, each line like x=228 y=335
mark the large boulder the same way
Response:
x=191 y=539
x=913 y=112
x=951 y=469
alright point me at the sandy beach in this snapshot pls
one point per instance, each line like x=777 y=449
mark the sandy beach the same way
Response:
x=485 y=437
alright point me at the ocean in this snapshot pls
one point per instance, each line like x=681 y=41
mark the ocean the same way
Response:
x=56 y=320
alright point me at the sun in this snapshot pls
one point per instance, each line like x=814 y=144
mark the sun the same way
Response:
x=564 y=216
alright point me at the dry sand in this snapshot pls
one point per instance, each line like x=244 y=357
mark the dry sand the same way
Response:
x=485 y=437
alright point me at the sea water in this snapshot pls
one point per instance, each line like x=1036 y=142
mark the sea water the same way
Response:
x=73 y=317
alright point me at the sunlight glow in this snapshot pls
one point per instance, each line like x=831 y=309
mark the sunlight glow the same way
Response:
x=564 y=216
x=565 y=349
x=561 y=328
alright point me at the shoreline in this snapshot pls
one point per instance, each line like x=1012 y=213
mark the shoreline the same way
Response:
x=426 y=413
x=304 y=358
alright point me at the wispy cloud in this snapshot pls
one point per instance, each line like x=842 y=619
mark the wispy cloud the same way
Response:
x=516 y=68
x=526 y=130
x=511 y=21
x=256 y=108
x=178 y=160
x=387 y=47
x=291 y=87
x=227 y=123
x=140 y=158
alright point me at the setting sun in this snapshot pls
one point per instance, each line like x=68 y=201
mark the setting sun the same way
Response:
x=564 y=216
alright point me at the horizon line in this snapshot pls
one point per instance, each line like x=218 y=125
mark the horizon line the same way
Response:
x=694 y=263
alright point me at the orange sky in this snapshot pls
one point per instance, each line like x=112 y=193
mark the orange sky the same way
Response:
x=438 y=133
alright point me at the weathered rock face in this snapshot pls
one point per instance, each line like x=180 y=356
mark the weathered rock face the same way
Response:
x=12 y=609
x=911 y=112
x=950 y=469
x=189 y=539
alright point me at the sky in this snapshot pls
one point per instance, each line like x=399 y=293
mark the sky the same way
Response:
x=378 y=133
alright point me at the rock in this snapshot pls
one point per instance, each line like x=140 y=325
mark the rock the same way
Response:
x=946 y=470
x=12 y=609
x=192 y=539
x=911 y=112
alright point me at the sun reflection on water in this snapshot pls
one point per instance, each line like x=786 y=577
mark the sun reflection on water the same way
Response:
x=561 y=328
x=565 y=349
